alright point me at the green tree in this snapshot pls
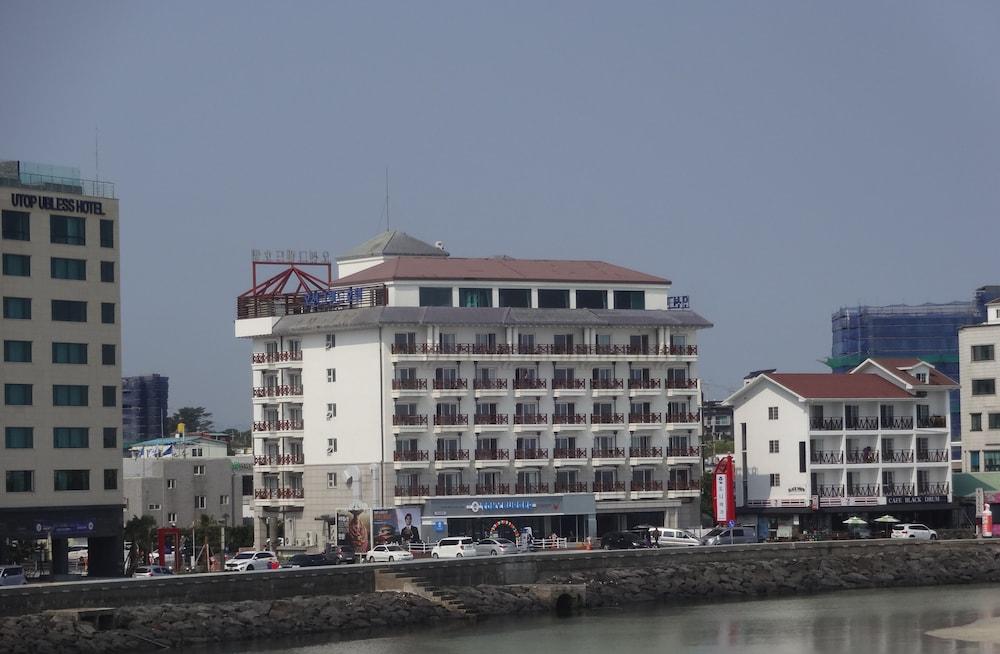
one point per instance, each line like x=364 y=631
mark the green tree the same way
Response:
x=141 y=533
x=195 y=418
x=238 y=440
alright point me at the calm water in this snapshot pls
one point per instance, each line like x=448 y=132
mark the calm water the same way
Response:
x=854 y=622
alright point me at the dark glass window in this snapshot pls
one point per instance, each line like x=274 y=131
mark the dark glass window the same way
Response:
x=984 y=387
x=110 y=437
x=18 y=308
x=17 y=265
x=71 y=480
x=475 y=297
x=69 y=310
x=68 y=268
x=591 y=299
x=19 y=438
x=107 y=271
x=70 y=437
x=982 y=352
x=16 y=226
x=108 y=313
x=431 y=296
x=110 y=479
x=515 y=297
x=110 y=394
x=247 y=485
x=107 y=233
x=17 y=351
x=20 y=481
x=108 y=355
x=552 y=298
x=629 y=299
x=69 y=353
x=69 y=395
x=17 y=394
x=68 y=230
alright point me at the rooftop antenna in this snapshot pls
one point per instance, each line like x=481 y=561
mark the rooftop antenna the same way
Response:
x=387 y=198
x=97 y=161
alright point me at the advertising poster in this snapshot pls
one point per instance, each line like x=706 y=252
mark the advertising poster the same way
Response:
x=394 y=525
x=342 y=520
x=408 y=524
x=358 y=529
x=384 y=526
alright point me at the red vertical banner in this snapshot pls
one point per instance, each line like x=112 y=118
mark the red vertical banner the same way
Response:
x=724 y=491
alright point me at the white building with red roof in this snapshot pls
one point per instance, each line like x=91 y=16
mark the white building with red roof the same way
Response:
x=815 y=448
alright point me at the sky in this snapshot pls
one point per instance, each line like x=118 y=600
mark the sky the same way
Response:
x=775 y=160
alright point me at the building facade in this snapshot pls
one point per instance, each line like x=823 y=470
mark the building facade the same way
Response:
x=144 y=407
x=560 y=395
x=814 y=449
x=978 y=345
x=61 y=369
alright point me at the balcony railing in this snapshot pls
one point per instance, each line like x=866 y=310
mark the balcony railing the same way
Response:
x=278 y=493
x=646 y=452
x=826 y=424
x=933 y=456
x=451 y=384
x=897 y=456
x=826 y=457
x=412 y=491
x=279 y=460
x=863 y=490
x=543 y=348
x=608 y=487
x=932 y=422
x=410 y=455
x=409 y=420
x=531 y=418
x=897 y=422
x=492 y=455
x=451 y=455
x=489 y=384
x=569 y=418
x=277 y=391
x=684 y=484
x=683 y=451
x=492 y=489
x=933 y=488
x=606 y=384
x=682 y=417
x=569 y=384
x=491 y=419
x=409 y=384
x=862 y=456
x=532 y=454
x=897 y=489
x=606 y=418
x=453 y=489
x=675 y=384
x=522 y=384
x=862 y=422
x=569 y=453
x=277 y=425
x=607 y=453
x=834 y=490
x=276 y=357
x=455 y=419
x=531 y=489
x=644 y=383
x=651 y=485
x=501 y=348
x=645 y=418
x=571 y=487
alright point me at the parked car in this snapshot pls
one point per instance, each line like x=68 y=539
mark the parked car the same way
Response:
x=623 y=540
x=725 y=536
x=387 y=554
x=307 y=561
x=913 y=530
x=342 y=554
x=495 y=546
x=246 y=561
x=152 y=571
x=12 y=575
x=454 y=547
x=667 y=537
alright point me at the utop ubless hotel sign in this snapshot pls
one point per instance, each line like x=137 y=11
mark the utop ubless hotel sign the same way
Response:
x=50 y=203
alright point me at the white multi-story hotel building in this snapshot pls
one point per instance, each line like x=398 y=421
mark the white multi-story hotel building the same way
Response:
x=979 y=370
x=61 y=371
x=814 y=449
x=561 y=395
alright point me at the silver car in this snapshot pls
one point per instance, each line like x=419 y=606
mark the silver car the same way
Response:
x=667 y=537
x=495 y=547
x=12 y=575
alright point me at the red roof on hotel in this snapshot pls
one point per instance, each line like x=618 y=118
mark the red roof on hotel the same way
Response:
x=500 y=269
x=935 y=378
x=825 y=385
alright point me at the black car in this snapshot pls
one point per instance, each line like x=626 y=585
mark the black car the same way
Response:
x=623 y=540
x=307 y=561
x=342 y=554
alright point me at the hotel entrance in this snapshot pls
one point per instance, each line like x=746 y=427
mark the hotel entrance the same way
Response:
x=572 y=517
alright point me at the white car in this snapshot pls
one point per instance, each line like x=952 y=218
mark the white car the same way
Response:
x=495 y=547
x=12 y=575
x=245 y=561
x=387 y=554
x=454 y=548
x=667 y=537
x=152 y=571
x=913 y=530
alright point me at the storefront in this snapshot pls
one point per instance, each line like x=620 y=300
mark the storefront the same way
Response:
x=568 y=516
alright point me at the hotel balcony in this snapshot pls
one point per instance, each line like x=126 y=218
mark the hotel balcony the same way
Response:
x=644 y=420
x=683 y=488
x=897 y=423
x=411 y=494
x=492 y=489
x=826 y=457
x=609 y=490
x=408 y=459
x=431 y=351
x=826 y=424
x=645 y=455
x=455 y=422
x=646 y=490
x=571 y=487
x=601 y=387
x=862 y=423
x=863 y=490
x=531 y=489
x=531 y=458
x=897 y=489
x=897 y=456
x=932 y=422
x=613 y=456
x=682 y=420
x=285 y=496
x=526 y=387
x=490 y=387
x=680 y=387
x=530 y=421
x=569 y=387
x=561 y=421
x=639 y=387
x=933 y=456
x=449 y=387
x=277 y=425
x=285 y=390
x=408 y=387
x=569 y=457
x=272 y=358
x=934 y=488
x=866 y=455
x=491 y=421
x=683 y=455
x=278 y=460
x=409 y=423
x=492 y=458
x=451 y=459
x=446 y=490
x=833 y=490
x=607 y=418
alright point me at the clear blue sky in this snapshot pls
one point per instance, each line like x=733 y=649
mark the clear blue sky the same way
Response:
x=776 y=160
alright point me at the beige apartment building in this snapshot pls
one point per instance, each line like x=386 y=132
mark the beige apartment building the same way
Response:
x=61 y=370
x=980 y=369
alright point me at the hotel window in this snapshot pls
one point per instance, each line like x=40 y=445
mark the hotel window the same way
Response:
x=405 y=341
x=17 y=351
x=984 y=387
x=982 y=353
x=107 y=271
x=70 y=437
x=551 y=298
x=331 y=375
x=171 y=518
x=152 y=507
x=224 y=500
x=630 y=299
x=199 y=501
x=17 y=308
x=107 y=233
x=16 y=226
x=69 y=353
x=431 y=296
x=773 y=447
x=199 y=470
x=475 y=297
x=108 y=354
x=110 y=479
x=17 y=394
x=994 y=420
x=973 y=461
x=69 y=395
x=331 y=480
x=67 y=230
x=20 y=481
x=72 y=480
x=515 y=297
x=772 y=413
x=975 y=422
x=19 y=438
x=110 y=437
x=775 y=480
x=108 y=313
x=68 y=268
x=196 y=451
x=171 y=484
x=331 y=341
x=590 y=299
x=69 y=311
x=17 y=265
x=526 y=343
x=110 y=395
x=331 y=445
x=331 y=410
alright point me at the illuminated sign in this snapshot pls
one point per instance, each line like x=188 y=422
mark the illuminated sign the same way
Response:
x=500 y=505
x=49 y=203
x=333 y=297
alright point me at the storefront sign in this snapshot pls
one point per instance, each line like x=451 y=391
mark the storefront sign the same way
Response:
x=289 y=256
x=49 y=203
x=723 y=491
x=501 y=505
x=797 y=489
x=334 y=297
x=916 y=499
x=242 y=466
x=65 y=529
x=438 y=509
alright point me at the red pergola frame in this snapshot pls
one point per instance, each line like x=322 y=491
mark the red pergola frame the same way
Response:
x=293 y=280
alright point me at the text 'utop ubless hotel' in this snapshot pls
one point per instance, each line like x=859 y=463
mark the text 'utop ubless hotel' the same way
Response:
x=443 y=384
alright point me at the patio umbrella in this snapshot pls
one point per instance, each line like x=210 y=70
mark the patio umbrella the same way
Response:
x=854 y=521
x=886 y=518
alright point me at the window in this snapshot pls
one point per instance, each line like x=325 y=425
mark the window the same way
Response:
x=196 y=451
x=199 y=501
x=108 y=313
x=17 y=351
x=515 y=297
x=982 y=353
x=110 y=479
x=591 y=299
x=68 y=230
x=110 y=395
x=775 y=480
x=984 y=387
x=107 y=271
x=17 y=308
x=630 y=299
x=16 y=226
x=475 y=297
x=17 y=394
x=110 y=437
x=107 y=233
x=772 y=447
x=331 y=341
x=72 y=480
x=69 y=395
x=199 y=470
x=171 y=484
x=331 y=374
x=331 y=445
x=551 y=298
x=17 y=265
x=20 y=481
x=331 y=480
x=975 y=422
x=69 y=353
x=19 y=438
x=69 y=310
x=70 y=437
x=171 y=517
x=772 y=413
x=223 y=500
x=68 y=268
x=994 y=420
x=108 y=355
x=974 y=461
x=435 y=296
x=152 y=507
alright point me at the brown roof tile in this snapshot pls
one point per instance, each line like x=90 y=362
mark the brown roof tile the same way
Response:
x=897 y=365
x=824 y=385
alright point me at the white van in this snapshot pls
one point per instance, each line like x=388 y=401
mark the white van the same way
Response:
x=454 y=548
x=667 y=537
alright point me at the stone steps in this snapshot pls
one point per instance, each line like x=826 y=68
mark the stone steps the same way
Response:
x=399 y=581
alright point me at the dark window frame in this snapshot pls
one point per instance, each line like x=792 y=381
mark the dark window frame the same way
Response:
x=553 y=298
x=11 y=442
x=9 y=351
x=586 y=298
x=434 y=296
x=67 y=268
x=69 y=310
x=23 y=269
x=61 y=234
x=68 y=477
x=522 y=295
x=9 y=302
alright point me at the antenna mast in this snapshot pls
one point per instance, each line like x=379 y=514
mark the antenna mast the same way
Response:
x=97 y=161
x=387 y=198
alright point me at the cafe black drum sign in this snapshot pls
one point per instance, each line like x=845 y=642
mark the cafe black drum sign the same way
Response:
x=49 y=203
